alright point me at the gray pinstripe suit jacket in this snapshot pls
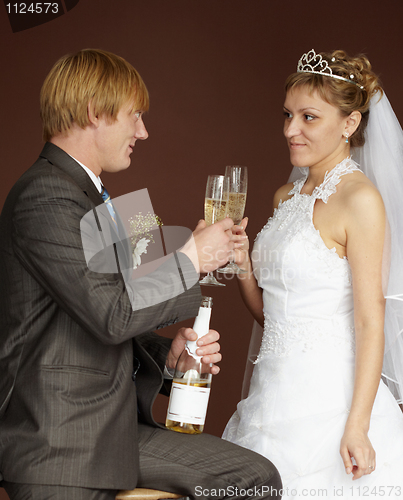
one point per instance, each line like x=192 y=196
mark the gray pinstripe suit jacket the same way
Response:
x=68 y=405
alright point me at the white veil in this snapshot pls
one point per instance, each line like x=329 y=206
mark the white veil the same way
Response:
x=381 y=159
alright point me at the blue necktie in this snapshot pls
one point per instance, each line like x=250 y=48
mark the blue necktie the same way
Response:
x=107 y=200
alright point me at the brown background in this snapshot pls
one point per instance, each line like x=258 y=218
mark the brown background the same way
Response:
x=215 y=71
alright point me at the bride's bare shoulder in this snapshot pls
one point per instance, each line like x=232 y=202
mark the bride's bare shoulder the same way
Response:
x=282 y=194
x=358 y=193
x=357 y=185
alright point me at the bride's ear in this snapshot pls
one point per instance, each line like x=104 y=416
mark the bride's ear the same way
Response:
x=352 y=122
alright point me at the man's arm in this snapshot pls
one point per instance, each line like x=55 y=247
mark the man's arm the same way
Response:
x=47 y=242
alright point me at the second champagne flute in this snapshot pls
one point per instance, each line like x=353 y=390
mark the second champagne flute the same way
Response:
x=215 y=209
x=238 y=185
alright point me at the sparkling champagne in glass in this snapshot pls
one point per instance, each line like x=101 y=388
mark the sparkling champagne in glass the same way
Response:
x=215 y=209
x=238 y=185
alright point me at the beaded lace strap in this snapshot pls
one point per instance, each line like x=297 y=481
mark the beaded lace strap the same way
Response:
x=332 y=178
x=300 y=182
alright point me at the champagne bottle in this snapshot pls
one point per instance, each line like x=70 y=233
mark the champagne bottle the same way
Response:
x=192 y=381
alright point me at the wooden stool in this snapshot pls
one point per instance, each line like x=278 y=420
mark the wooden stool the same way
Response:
x=145 y=494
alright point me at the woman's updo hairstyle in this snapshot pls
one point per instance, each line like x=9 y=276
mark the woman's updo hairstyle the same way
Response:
x=346 y=96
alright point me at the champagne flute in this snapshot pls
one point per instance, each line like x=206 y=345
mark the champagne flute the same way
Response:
x=238 y=186
x=215 y=209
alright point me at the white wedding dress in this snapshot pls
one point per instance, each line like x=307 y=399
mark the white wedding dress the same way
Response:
x=302 y=383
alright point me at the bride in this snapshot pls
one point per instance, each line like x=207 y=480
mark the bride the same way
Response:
x=318 y=405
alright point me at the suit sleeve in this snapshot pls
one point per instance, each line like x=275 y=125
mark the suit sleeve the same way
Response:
x=47 y=242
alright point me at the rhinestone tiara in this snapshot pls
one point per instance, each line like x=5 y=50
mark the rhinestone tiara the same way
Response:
x=314 y=63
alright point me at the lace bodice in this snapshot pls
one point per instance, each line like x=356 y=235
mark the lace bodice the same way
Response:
x=307 y=289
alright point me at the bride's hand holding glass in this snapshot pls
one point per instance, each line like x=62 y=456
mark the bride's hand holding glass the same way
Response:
x=241 y=254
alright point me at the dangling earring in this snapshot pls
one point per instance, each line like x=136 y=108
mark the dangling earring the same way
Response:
x=347 y=134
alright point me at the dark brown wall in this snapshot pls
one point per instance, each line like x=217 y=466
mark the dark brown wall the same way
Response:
x=215 y=71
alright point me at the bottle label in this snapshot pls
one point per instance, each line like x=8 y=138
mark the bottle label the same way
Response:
x=188 y=403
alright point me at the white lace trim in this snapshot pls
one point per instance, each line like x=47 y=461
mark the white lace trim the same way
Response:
x=279 y=338
x=304 y=202
x=286 y=211
x=332 y=178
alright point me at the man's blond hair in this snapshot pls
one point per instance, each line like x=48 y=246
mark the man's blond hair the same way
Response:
x=96 y=77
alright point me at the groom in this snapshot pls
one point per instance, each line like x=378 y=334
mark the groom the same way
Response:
x=80 y=365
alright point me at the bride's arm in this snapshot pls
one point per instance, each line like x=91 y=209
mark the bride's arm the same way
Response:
x=251 y=293
x=365 y=231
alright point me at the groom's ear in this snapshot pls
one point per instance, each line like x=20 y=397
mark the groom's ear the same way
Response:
x=92 y=116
